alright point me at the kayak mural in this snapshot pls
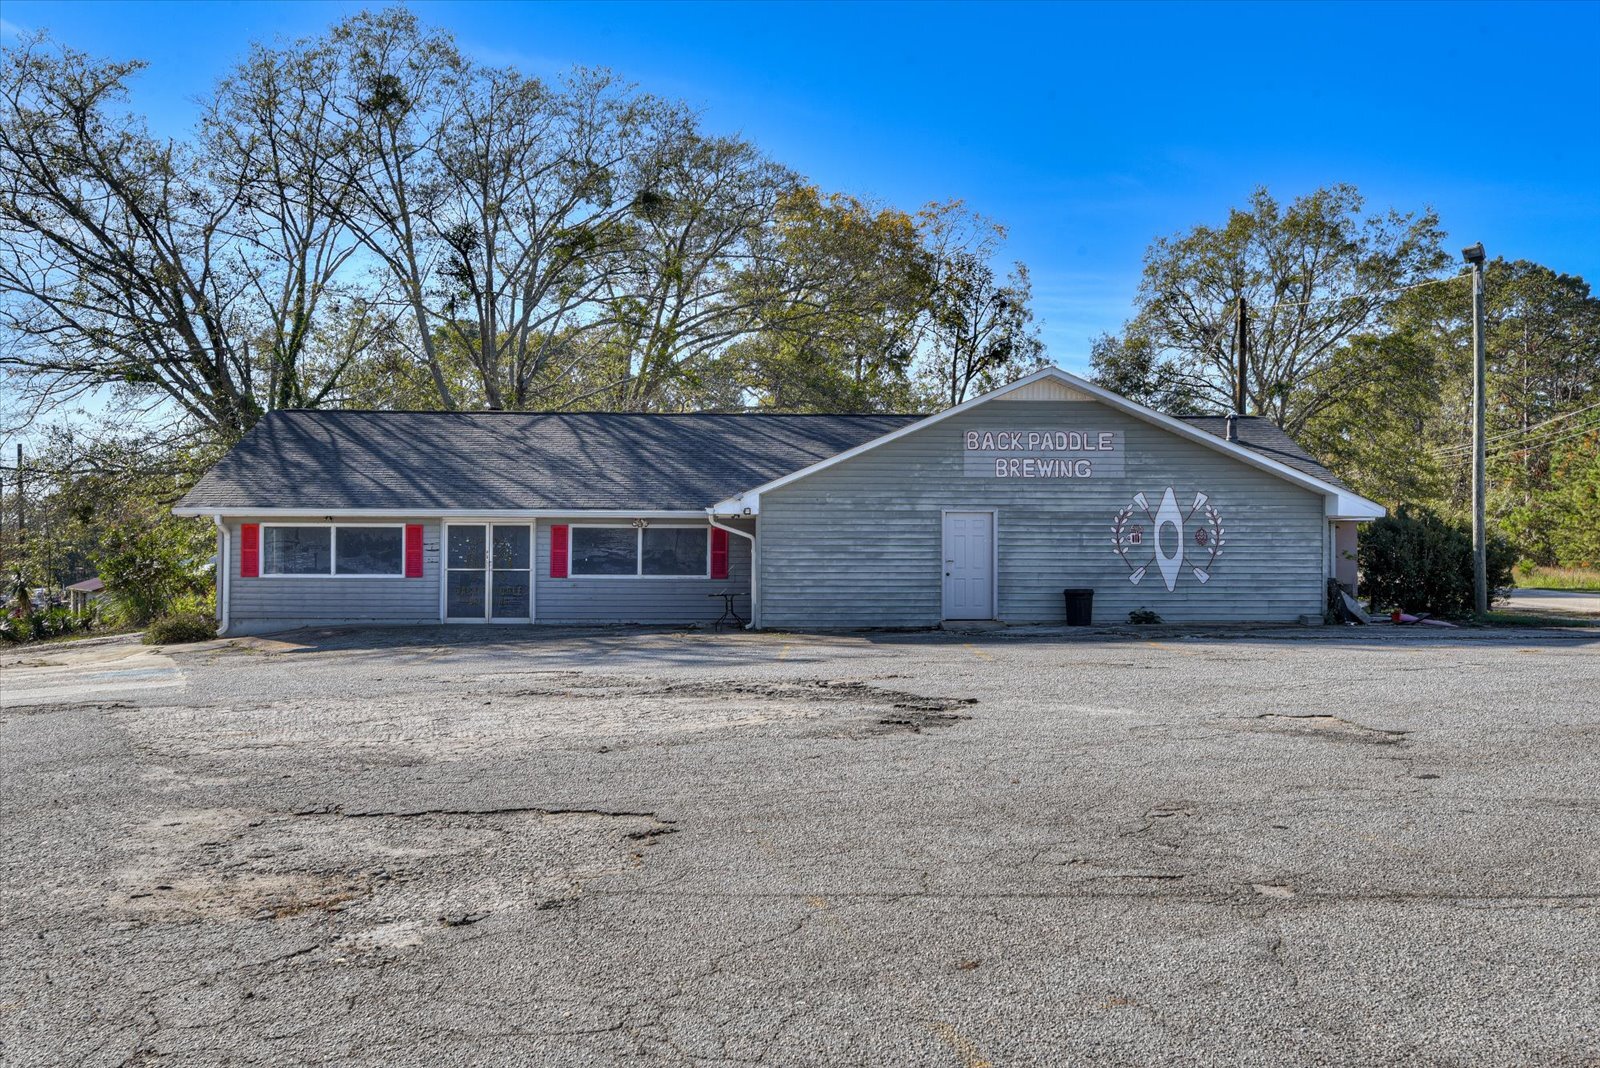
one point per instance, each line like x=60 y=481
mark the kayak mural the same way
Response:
x=1137 y=537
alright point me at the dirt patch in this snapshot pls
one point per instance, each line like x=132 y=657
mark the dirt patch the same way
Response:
x=1317 y=725
x=509 y=711
x=251 y=895
x=916 y=718
x=375 y=880
x=582 y=685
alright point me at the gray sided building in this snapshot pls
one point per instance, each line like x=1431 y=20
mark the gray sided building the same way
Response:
x=985 y=511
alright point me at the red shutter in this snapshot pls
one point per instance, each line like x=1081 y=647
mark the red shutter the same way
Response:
x=719 y=553
x=413 y=550
x=249 y=550
x=558 y=551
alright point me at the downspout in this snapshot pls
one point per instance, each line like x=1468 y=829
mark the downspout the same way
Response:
x=223 y=571
x=755 y=571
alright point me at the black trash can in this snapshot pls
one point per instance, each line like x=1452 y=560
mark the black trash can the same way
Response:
x=1080 y=607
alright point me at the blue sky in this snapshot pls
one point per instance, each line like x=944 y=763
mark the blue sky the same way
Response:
x=1087 y=129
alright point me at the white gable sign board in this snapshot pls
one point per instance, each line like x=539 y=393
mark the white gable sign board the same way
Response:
x=1042 y=453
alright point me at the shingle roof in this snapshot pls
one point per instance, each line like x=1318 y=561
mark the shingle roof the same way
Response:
x=1266 y=437
x=334 y=460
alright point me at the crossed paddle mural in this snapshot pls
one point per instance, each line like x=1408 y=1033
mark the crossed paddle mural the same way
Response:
x=1128 y=538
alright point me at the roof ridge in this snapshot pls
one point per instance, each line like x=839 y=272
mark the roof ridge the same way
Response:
x=564 y=411
x=1221 y=415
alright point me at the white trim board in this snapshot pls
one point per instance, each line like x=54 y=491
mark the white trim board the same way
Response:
x=1339 y=503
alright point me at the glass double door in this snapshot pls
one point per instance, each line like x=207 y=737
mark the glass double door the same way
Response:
x=488 y=572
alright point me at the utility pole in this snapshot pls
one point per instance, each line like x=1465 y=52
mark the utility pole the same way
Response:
x=22 y=516
x=1241 y=345
x=1480 y=556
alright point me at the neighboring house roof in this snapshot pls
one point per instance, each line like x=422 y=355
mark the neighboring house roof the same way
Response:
x=1340 y=501
x=1266 y=437
x=88 y=585
x=422 y=462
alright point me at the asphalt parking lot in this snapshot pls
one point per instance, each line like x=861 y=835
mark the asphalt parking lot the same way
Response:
x=496 y=846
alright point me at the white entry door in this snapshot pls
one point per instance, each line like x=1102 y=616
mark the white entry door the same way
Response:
x=969 y=565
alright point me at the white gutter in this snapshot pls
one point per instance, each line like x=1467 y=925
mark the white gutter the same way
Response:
x=755 y=581
x=224 y=570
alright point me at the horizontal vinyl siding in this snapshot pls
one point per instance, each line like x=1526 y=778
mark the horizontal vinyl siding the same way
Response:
x=860 y=544
x=636 y=600
x=257 y=604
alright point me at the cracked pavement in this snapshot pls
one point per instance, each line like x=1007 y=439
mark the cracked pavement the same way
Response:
x=503 y=846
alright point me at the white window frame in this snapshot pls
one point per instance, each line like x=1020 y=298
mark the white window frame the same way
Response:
x=638 y=550
x=333 y=551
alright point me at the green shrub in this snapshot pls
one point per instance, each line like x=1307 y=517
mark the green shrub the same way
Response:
x=179 y=627
x=16 y=629
x=203 y=603
x=1417 y=561
x=56 y=622
x=1143 y=617
x=147 y=569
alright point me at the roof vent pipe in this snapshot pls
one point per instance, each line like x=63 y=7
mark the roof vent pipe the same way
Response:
x=1233 y=427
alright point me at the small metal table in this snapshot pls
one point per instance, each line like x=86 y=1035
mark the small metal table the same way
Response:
x=728 y=611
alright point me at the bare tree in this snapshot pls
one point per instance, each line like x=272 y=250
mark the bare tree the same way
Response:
x=110 y=266
x=387 y=74
x=536 y=181
x=700 y=221
x=977 y=329
x=269 y=136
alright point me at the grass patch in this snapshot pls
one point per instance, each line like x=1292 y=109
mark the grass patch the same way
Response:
x=1533 y=619
x=85 y=635
x=1559 y=578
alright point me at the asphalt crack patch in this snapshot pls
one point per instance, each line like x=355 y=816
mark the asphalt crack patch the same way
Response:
x=1320 y=725
x=901 y=710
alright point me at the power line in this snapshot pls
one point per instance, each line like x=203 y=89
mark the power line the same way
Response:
x=1519 y=431
x=1361 y=296
x=1525 y=445
x=1578 y=433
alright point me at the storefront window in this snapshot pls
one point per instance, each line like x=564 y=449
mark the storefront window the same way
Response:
x=332 y=550
x=296 y=550
x=674 y=551
x=369 y=550
x=605 y=551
